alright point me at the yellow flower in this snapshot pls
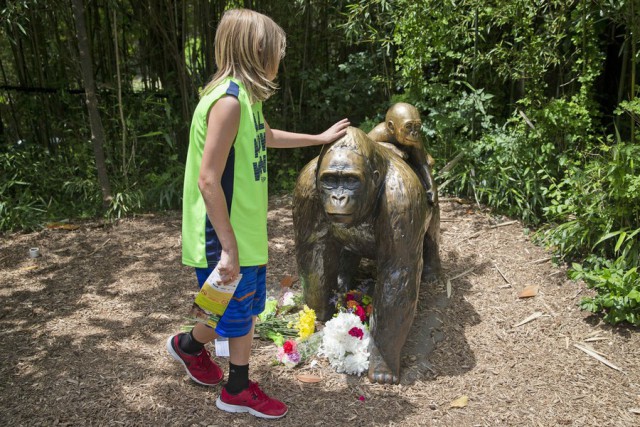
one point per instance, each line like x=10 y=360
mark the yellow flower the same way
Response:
x=306 y=323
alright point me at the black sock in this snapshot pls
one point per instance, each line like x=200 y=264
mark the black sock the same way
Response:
x=238 y=378
x=188 y=344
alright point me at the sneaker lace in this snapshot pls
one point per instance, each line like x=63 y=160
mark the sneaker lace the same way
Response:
x=203 y=360
x=257 y=392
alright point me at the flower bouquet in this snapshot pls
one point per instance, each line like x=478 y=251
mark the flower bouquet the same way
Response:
x=356 y=302
x=345 y=343
x=290 y=332
x=346 y=338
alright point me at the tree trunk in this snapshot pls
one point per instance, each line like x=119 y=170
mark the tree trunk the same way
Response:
x=97 y=131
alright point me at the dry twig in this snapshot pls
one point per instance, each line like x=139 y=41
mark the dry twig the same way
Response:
x=101 y=246
x=503 y=224
x=501 y=273
x=531 y=318
x=449 y=280
x=597 y=357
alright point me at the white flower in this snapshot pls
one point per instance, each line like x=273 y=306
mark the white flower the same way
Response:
x=346 y=353
x=287 y=299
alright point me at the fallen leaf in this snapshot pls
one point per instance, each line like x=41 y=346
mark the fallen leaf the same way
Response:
x=308 y=378
x=31 y=267
x=287 y=281
x=460 y=402
x=61 y=226
x=529 y=291
x=635 y=411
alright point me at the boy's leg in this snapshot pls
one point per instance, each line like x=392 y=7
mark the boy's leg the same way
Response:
x=203 y=334
x=239 y=354
x=240 y=347
x=240 y=394
x=188 y=348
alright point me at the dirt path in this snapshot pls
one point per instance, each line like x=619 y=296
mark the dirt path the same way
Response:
x=83 y=331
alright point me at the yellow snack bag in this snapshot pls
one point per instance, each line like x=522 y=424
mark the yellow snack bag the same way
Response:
x=213 y=299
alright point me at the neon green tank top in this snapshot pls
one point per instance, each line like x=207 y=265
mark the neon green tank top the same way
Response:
x=244 y=182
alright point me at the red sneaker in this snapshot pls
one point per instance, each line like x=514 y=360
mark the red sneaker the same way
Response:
x=199 y=367
x=252 y=400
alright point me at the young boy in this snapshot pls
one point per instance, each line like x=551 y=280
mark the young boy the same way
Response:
x=225 y=200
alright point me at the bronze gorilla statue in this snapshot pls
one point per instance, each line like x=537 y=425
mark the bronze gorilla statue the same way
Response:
x=357 y=200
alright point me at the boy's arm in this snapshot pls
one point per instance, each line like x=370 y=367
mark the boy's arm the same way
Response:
x=282 y=139
x=222 y=126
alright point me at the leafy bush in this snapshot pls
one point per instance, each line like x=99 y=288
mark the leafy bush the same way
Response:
x=597 y=205
x=618 y=290
x=37 y=186
x=124 y=203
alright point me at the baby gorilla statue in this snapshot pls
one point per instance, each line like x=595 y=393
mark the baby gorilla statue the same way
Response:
x=400 y=133
x=357 y=200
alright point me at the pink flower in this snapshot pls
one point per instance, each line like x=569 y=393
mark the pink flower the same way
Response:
x=361 y=398
x=356 y=332
x=350 y=297
x=360 y=313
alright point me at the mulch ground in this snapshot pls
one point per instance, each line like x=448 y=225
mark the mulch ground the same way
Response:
x=83 y=330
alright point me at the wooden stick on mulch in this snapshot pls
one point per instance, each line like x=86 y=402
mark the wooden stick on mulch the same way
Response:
x=541 y=260
x=477 y=233
x=502 y=274
x=101 y=246
x=531 y=318
x=502 y=224
x=464 y=273
x=597 y=357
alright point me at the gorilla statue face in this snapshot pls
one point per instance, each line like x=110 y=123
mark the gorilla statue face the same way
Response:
x=403 y=121
x=408 y=132
x=346 y=183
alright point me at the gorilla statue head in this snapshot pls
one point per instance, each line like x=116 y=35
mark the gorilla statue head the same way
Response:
x=349 y=176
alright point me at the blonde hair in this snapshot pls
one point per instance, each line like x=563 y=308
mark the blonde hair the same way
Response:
x=249 y=47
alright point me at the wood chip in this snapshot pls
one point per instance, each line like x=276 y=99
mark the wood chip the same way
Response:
x=308 y=378
x=501 y=273
x=541 y=260
x=531 y=318
x=504 y=224
x=61 y=226
x=635 y=411
x=464 y=273
x=597 y=356
x=449 y=280
x=101 y=246
x=596 y=339
x=460 y=402
x=529 y=291
x=287 y=281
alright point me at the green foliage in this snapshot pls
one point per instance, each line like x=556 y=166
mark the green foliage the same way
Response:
x=331 y=95
x=617 y=286
x=123 y=204
x=164 y=188
x=597 y=204
x=37 y=186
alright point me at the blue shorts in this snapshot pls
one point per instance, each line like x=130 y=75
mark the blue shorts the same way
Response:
x=248 y=301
